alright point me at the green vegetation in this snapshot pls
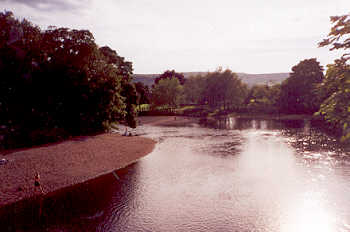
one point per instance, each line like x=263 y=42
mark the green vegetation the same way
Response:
x=335 y=89
x=143 y=93
x=263 y=99
x=298 y=91
x=224 y=90
x=170 y=75
x=57 y=83
x=248 y=79
x=216 y=90
x=167 y=93
x=194 y=88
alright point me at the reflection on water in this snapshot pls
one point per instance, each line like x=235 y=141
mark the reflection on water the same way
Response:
x=309 y=213
x=231 y=174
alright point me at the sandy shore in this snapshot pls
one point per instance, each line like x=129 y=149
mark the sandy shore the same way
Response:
x=68 y=163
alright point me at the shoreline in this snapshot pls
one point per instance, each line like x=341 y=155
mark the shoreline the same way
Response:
x=69 y=176
x=274 y=116
x=168 y=120
x=66 y=164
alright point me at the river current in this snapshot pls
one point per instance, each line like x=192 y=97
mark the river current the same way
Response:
x=232 y=174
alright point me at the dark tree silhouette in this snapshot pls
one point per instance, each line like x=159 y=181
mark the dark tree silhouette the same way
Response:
x=143 y=93
x=57 y=82
x=298 y=93
x=171 y=74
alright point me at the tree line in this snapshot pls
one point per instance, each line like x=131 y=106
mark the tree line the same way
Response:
x=57 y=83
x=223 y=90
x=306 y=91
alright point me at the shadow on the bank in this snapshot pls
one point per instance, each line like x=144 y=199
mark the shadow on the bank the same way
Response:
x=86 y=200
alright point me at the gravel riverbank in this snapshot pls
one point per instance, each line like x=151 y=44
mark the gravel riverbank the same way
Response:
x=66 y=164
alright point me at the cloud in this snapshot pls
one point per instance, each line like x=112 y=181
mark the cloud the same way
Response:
x=51 y=5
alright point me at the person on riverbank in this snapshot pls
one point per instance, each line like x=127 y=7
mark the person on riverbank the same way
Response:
x=37 y=184
x=39 y=188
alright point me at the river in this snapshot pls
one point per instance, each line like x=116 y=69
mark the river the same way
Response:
x=229 y=175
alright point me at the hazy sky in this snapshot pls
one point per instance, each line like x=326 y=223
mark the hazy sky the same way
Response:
x=252 y=36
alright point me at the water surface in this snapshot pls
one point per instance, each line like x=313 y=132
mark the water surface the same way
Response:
x=230 y=175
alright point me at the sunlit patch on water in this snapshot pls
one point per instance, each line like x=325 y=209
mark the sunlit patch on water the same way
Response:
x=309 y=213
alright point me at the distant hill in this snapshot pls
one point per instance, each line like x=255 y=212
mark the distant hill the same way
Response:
x=249 y=79
x=146 y=79
x=260 y=79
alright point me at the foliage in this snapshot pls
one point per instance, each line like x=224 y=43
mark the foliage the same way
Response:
x=334 y=79
x=143 y=93
x=263 y=99
x=335 y=88
x=298 y=91
x=194 y=88
x=339 y=36
x=143 y=108
x=123 y=70
x=167 y=93
x=224 y=89
x=169 y=75
x=197 y=111
x=219 y=89
x=58 y=81
x=129 y=91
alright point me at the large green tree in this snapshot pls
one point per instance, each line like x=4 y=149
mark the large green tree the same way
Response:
x=298 y=91
x=224 y=90
x=57 y=82
x=194 y=89
x=123 y=73
x=335 y=89
x=167 y=93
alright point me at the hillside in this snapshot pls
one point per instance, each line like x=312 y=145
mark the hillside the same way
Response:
x=249 y=79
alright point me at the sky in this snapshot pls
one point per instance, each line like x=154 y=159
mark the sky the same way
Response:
x=251 y=36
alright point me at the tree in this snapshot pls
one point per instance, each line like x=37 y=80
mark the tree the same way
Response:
x=129 y=90
x=124 y=68
x=224 y=89
x=92 y=98
x=334 y=80
x=19 y=57
x=298 y=91
x=143 y=93
x=58 y=80
x=167 y=93
x=123 y=72
x=263 y=98
x=194 y=88
x=335 y=89
x=171 y=74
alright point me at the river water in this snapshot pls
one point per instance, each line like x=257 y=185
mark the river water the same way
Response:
x=228 y=175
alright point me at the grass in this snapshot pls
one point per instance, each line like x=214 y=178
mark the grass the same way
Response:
x=143 y=107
